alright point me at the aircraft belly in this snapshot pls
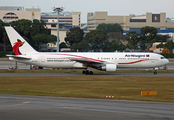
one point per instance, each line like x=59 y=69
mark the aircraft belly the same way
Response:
x=58 y=64
x=135 y=65
x=29 y=62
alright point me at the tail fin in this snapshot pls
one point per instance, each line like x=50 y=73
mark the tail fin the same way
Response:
x=19 y=44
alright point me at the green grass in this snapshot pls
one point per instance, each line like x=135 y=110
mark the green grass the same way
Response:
x=171 y=60
x=128 y=88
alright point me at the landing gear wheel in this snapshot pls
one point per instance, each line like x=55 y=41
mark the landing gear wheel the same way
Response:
x=155 y=72
x=87 y=72
x=84 y=72
x=91 y=73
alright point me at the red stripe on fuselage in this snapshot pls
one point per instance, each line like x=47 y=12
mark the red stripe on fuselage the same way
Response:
x=135 y=61
x=85 y=58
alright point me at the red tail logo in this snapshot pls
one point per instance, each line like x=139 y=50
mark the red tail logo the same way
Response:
x=16 y=46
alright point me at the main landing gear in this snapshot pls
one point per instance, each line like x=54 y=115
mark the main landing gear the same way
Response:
x=155 y=72
x=87 y=72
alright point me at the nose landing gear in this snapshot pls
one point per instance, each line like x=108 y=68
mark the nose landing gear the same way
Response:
x=155 y=72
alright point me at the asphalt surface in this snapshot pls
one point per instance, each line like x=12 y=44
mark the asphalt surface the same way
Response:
x=6 y=64
x=22 y=107
x=80 y=74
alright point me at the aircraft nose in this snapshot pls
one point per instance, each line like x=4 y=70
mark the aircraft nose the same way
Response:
x=166 y=61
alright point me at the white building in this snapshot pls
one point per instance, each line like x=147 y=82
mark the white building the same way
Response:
x=67 y=20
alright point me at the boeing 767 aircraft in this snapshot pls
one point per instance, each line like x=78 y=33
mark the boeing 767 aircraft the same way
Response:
x=105 y=61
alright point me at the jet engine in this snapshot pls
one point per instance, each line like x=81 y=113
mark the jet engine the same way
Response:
x=109 y=67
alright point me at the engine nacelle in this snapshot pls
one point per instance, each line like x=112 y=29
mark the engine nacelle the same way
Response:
x=109 y=68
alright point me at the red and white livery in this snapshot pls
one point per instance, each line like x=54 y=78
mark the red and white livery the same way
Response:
x=106 y=61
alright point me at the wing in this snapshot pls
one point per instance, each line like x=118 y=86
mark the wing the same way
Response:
x=88 y=61
x=94 y=63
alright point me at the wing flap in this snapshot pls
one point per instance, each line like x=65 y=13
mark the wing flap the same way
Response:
x=88 y=61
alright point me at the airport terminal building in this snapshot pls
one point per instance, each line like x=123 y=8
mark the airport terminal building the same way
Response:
x=132 y=22
x=10 y=13
x=67 y=20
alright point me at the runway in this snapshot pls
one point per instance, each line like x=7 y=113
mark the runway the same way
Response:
x=22 y=107
x=4 y=65
x=80 y=74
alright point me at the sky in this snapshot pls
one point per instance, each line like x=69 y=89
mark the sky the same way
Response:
x=113 y=7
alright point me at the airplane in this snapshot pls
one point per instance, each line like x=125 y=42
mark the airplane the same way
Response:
x=105 y=61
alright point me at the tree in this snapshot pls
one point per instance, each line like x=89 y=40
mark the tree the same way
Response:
x=160 y=45
x=74 y=35
x=112 y=46
x=22 y=26
x=118 y=36
x=82 y=46
x=1 y=30
x=75 y=47
x=38 y=27
x=107 y=28
x=169 y=45
x=3 y=35
x=162 y=38
x=114 y=33
x=63 y=45
x=28 y=29
x=40 y=39
x=148 y=34
x=133 y=39
x=96 y=38
x=5 y=40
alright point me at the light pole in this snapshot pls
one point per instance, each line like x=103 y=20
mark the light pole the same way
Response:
x=58 y=9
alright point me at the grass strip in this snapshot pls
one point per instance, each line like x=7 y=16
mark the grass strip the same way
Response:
x=125 y=88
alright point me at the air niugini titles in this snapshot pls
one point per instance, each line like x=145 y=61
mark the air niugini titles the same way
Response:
x=132 y=55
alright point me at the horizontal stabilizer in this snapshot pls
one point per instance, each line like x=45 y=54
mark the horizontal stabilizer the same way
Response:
x=19 y=57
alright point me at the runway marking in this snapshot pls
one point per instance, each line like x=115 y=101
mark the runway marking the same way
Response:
x=66 y=106
x=59 y=105
x=26 y=102
x=72 y=107
x=16 y=104
x=12 y=105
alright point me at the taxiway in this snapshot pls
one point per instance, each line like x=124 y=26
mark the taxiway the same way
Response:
x=80 y=74
x=23 y=107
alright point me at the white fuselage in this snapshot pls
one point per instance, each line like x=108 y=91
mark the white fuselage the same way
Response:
x=70 y=60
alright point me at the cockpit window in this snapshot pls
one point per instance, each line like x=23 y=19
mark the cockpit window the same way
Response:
x=162 y=57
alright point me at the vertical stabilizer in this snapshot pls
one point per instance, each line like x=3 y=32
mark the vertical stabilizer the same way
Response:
x=19 y=44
